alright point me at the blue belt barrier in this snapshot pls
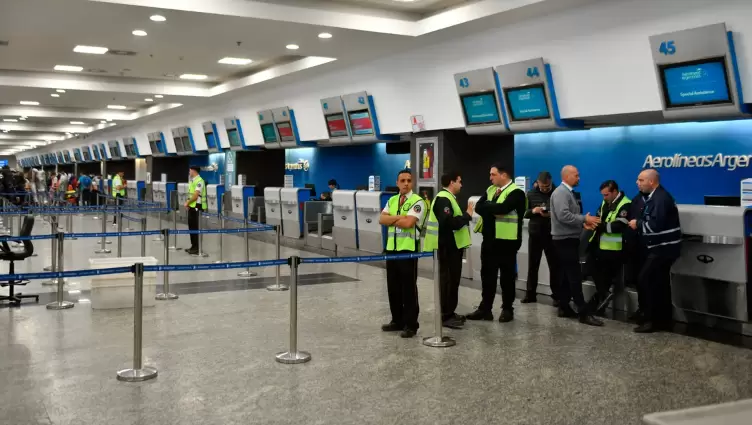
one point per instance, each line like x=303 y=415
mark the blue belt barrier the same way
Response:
x=192 y=267
x=71 y=273
x=26 y=238
x=125 y=217
x=114 y=234
x=366 y=258
x=242 y=230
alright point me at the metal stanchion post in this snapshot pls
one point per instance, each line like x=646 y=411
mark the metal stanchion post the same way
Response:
x=160 y=236
x=166 y=295
x=277 y=285
x=138 y=372
x=293 y=356
x=201 y=252
x=174 y=245
x=53 y=261
x=69 y=226
x=439 y=340
x=119 y=238
x=246 y=235
x=221 y=239
x=96 y=195
x=143 y=237
x=59 y=304
x=102 y=248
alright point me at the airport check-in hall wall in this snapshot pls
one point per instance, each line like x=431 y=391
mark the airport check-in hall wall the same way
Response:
x=694 y=159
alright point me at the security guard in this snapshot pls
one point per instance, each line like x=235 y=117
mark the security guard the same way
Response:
x=447 y=231
x=606 y=242
x=118 y=190
x=403 y=215
x=660 y=235
x=195 y=205
x=502 y=207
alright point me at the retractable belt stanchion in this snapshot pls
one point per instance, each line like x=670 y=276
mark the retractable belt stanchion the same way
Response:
x=293 y=356
x=248 y=272
x=53 y=257
x=174 y=204
x=166 y=295
x=69 y=226
x=143 y=237
x=138 y=372
x=277 y=285
x=102 y=248
x=159 y=237
x=439 y=340
x=221 y=239
x=119 y=237
x=59 y=304
x=96 y=195
x=128 y=203
x=201 y=252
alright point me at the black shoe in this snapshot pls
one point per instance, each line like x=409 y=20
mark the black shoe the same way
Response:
x=566 y=312
x=460 y=317
x=529 y=299
x=590 y=320
x=192 y=252
x=392 y=327
x=408 y=333
x=453 y=323
x=190 y=249
x=506 y=316
x=480 y=315
x=646 y=328
x=556 y=303
x=637 y=317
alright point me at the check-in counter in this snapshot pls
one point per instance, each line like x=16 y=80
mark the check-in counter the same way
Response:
x=169 y=189
x=158 y=193
x=371 y=234
x=182 y=198
x=214 y=196
x=318 y=220
x=273 y=206
x=131 y=191
x=471 y=265
x=238 y=196
x=345 y=229
x=255 y=208
x=710 y=276
x=292 y=200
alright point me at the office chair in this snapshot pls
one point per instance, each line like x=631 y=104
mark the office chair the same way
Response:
x=6 y=254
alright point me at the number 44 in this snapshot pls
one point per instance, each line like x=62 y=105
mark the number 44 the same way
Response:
x=667 y=47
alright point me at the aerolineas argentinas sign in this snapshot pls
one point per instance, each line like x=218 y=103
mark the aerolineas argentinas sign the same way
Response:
x=729 y=162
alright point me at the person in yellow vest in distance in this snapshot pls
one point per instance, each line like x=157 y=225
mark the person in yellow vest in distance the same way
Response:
x=195 y=204
x=118 y=190
x=403 y=215
x=447 y=231
x=501 y=210
x=605 y=245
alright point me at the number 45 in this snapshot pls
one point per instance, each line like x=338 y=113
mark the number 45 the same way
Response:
x=667 y=47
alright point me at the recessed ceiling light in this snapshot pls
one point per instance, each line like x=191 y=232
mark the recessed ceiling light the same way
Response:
x=77 y=122
x=60 y=91
x=193 y=77
x=148 y=100
x=22 y=119
x=235 y=61
x=69 y=68
x=10 y=120
x=55 y=95
x=157 y=18
x=140 y=33
x=293 y=47
x=109 y=119
x=103 y=122
x=5 y=131
x=68 y=134
x=158 y=96
x=94 y=50
x=29 y=103
x=325 y=35
x=115 y=107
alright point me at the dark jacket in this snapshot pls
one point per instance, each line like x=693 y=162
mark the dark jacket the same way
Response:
x=631 y=238
x=489 y=209
x=658 y=225
x=448 y=223
x=618 y=226
x=538 y=225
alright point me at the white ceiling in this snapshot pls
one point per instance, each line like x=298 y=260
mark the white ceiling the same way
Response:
x=417 y=7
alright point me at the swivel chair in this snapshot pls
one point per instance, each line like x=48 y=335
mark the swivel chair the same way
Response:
x=6 y=254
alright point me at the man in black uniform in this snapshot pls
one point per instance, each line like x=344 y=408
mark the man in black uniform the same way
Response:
x=539 y=238
x=635 y=255
x=450 y=256
x=660 y=235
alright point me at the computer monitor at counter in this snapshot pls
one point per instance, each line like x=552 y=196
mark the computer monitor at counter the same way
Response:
x=724 y=201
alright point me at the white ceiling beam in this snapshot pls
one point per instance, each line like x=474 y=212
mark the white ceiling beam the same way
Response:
x=271 y=73
x=31 y=136
x=45 y=128
x=74 y=114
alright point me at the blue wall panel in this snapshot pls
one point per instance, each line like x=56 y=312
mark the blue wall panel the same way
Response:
x=620 y=153
x=210 y=177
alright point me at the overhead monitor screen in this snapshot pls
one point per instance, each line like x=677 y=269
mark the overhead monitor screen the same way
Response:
x=360 y=123
x=66 y=156
x=130 y=150
x=480 y=108
x=527 y=103
x=267 y=130
x=102 y=152
x=114 y=152
x=695 y=83
x=285 y=131
x=336 y=125
x=187 y=147
x=87 y=157
x=234 y=137
x=77 y=156
x=211 y=142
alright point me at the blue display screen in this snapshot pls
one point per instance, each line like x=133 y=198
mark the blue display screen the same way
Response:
x=480 y=109
x=696 y=83
x=527 y=103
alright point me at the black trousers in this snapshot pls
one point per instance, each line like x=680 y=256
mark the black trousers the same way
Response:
x=450 y=274
x=568 y=253
x=632 y=266
x=86 y=196
x=497 y=258
x=607 y=270
x=402 y=289
x=193 y=217
x=655 y=282
x=537 y=244
x=118 y=202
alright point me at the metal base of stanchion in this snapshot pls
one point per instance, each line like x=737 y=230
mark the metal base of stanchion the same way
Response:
x=200 y=254
x=159 y=238
x=47 y=268
x=436 y=341
x=103 y=251
x=62 y=305
x=277 y=287
x=293 y=358
x=217 y=262
x=173 y=248
x=51 y=282
x=165 y=297
x=108 y=242
x=96 y=217
x=247 y=273
x=137 y=375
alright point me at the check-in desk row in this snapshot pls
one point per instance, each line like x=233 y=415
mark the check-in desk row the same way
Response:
x=135 y=190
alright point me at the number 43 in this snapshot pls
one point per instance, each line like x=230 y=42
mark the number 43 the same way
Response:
x=667 y=47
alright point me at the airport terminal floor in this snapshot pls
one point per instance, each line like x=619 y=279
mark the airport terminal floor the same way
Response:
x=214 y=350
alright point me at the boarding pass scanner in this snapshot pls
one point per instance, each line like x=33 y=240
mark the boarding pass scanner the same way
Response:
x=273 y=206
x=345 y=229
x=371 y=234
x=214 y=196
x=240 y=194
x=292 y=200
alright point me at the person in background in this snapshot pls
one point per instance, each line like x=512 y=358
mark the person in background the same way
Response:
x=118 y=191
x=502 y=211
x=333 y=185
x=403 y=215
x=85 y=185
x=539 y=238
x=567 y=223
x=326 y=196
x=196 y=203
x=447 y=231
x=660 y=235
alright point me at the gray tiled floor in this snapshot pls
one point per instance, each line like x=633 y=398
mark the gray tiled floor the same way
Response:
x=214 y=352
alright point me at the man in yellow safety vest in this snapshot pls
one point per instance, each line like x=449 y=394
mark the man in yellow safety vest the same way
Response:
x=502 y=210
x=447 y=231
x=118 y=191
x=404 y=216
x=195 y=204
x=606 y=243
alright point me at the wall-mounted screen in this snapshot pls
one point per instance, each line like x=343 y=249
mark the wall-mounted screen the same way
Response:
x=527 y=103
x=114 y=152
x=130 y=150
x=66 y=156
x=187 y=147
x=211 y=141
x=102 y=152
x=285 y=131
x=695 y=83
x=336 y=125
x=480 y=108
x=86 y=155
x=360 y=123
x=267 y=130
x=234 y=137
x=77 y=155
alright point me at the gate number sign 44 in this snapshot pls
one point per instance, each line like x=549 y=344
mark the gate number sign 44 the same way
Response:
x=667 y=47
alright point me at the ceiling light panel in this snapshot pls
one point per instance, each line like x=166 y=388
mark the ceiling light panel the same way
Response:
x=193 y=77
x=157 y=18
x=115 y=107
x=292 y=47
x=60 y=91
x=69 y=68
x=235 y=61
x=93 y=50
x=10 y=120
x=158 y=96
x=29 y=103
x=55 y=95
x=139 y=33
x=78 y=123
x=148 y=99
x=325 y=35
